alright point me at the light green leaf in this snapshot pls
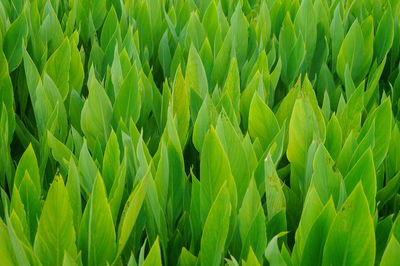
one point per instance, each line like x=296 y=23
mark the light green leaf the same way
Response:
x=154 y=256
x=352 y=54
x=251 y=259
x=74 y=193
x=304 y=127
x=314 y=244
x=390 y=256
x=275 y=197
x=272 y=252
x=333 y=141
x=305 y=24
x=364 y=171
x=347 y=241
x=231 y=141
x=127 y=103
x=87 y=168
x=311 y=210
x=6 y=249
x=76 y=72
x=216 y=228
x=96 y=233
x=262 y=122
x=214 y=172
x=180 y=105
x=327 y=180
x=251 y=221
x=195 y=76
x=28 y=164
x=14 y=41
x=205 y=119
x=58 y=67
x=56 y=232
x=131 y=211
x=6 y=97
x=96 y=114
x=384 y=35
x=186 y=258
x=111 y=161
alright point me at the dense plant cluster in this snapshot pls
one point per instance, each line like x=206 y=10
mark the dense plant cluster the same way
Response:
x=199 y=132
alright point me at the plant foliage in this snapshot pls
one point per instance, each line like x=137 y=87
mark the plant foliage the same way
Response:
x=199 y=132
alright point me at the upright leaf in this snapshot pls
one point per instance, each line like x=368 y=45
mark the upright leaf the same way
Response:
x=215 y=229
x=347 y=241
x=56 y=232
x=96 y=234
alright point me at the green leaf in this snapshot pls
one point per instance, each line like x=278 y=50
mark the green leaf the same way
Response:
x=305 y=126
x=334 y=136
x=327 y=180
x=251 y=221
x=275 y=197
x=18 y=207
x=390 y=189
x=251 y=259
x=214 y=172
x=254 y=86
x=109 y=27
x=231 y=141
x=111 y=161
x=232 y=88
x=180 y=106
x=291 y=50
x=381 y=118
x=311 y=210
x=239 y=27
x=6 y=249
x=117 y=190
x=195 y=76
x=364 y=171
x=154 y=256
x=352 y=54
x=306 y=25
x=14 y=41
x=347 y=241
x=390 y=256
x=272 y=252
x=50 y=110
x=337 y=33
x=127 y=103
x=56 y=232
x=205 y=119
x=7 y=97
x=97 y=227
x=164 y=54
x=74 y=193
x=61 y=153
x=76 y=72
x=216 y=228
x=32 y=75
x=131 y=211
x=350 y=118
x=58 y=67
x=68 y=260
x=28 y=164
x=30 y=197
x=262 y=122
x=87 y=169
x=314 y=244
x=96 y=114
x=186 y=258
x=384 y=35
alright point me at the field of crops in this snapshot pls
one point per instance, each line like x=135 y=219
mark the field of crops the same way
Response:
x=199 y=132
